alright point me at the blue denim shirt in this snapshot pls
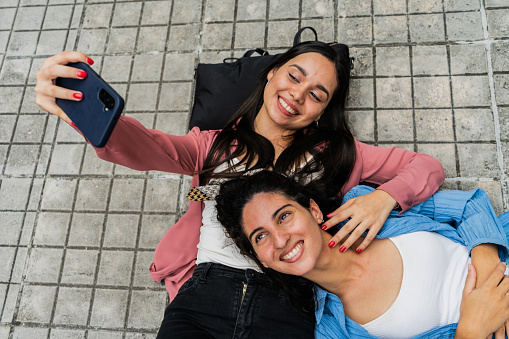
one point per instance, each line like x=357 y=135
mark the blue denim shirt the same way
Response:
x=464 y=217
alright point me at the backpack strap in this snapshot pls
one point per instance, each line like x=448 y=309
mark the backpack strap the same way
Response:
x=249 y=53
x=260 y=51
x=296 y=40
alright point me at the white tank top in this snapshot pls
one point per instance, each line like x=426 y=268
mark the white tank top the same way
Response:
x=434 y=273
x=215 y=246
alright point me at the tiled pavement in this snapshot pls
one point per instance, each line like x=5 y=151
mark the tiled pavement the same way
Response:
x=77 y=234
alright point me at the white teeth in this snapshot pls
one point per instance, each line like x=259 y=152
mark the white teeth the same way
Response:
x=293 y=252
x=286 y=107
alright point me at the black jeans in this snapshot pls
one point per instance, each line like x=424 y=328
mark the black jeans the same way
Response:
x=224 y=302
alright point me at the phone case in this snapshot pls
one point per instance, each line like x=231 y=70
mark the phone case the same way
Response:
x=97 y=113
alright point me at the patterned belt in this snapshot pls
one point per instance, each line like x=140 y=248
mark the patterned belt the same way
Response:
x=211 y=190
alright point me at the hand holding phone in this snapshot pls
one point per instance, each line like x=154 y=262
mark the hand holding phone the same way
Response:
x=96 y=114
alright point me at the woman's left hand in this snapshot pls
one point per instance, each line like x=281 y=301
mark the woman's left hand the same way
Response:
x=486 y=308
x=366 y=211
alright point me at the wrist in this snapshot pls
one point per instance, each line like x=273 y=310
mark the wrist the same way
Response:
x=464 y=331
x=485 y=257
x=388 y=199
x=485 y=250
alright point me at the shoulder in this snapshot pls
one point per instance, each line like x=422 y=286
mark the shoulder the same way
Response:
x=204 y=133
x=205 y=137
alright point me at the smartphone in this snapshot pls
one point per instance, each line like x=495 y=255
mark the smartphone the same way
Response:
x=99 y=109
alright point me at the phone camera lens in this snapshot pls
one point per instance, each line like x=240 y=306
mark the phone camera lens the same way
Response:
x=107 y=100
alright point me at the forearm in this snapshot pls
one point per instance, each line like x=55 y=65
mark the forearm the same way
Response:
x=485 y=259
x=409 y=177
x=134 y=146
x=416 y=182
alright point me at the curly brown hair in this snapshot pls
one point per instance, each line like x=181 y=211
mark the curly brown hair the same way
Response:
x=233 y=197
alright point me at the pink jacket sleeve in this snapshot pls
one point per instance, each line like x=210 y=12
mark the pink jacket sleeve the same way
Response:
x=134 y=146
x=139 y=148
x=409 y=177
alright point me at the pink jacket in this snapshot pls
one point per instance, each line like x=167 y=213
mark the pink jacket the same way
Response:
x=408 y=177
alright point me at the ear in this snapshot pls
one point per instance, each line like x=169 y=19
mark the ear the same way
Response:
x=271 y=73
x=315 y=211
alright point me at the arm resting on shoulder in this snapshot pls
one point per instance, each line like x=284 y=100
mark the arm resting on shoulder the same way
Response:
x=405 y=178
x=409 y=177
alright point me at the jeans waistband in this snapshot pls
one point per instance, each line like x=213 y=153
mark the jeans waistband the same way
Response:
x=213 y=269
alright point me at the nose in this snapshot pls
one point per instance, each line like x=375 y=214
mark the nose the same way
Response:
x=281 y=238
x=297 y=93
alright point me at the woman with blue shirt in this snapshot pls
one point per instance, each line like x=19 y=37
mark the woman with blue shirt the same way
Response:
x=408 y=283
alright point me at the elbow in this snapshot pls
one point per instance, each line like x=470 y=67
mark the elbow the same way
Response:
x=440 y=173
x=436 y=169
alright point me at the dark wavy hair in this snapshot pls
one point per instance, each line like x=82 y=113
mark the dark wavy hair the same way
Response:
x=330 y=141
x=233 y=197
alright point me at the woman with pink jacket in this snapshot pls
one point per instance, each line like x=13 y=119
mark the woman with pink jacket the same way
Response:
x=295 y=123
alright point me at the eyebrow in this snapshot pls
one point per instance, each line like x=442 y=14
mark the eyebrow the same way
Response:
x=274 y=215
x=318 y=85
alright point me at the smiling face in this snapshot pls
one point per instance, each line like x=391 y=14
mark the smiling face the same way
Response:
x=299 y=91
x=285 y=235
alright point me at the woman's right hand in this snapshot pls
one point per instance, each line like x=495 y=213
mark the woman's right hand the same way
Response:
x=54 y=67
x=484 y=310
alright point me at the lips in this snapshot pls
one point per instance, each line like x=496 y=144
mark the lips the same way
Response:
x=287 y=107
x=293 y=252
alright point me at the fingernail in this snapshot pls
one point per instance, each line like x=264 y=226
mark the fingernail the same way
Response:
x=342 y=249
x=332 y=243
x=329 y=215
x=90 y=61
x=359 y=250
x=81 y=74
x=77 y=95
x=324 y=227
x=73 y=124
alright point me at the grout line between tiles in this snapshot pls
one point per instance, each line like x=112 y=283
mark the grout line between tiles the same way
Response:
x=494 y=108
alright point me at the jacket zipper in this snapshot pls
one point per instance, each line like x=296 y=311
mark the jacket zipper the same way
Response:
x=244 y=288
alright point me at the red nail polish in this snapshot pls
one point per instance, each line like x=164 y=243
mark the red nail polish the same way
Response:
x=359 y=250
x=332 y=243
x=77 y=95
x=324 y=227
x=342 y=249
x=73 y=124
x=81 y=74
x=90 y=61
x=329 y=215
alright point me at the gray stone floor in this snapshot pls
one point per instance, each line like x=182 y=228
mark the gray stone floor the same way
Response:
x=77 y=234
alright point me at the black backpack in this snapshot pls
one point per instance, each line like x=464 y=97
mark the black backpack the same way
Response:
x=222 y=88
